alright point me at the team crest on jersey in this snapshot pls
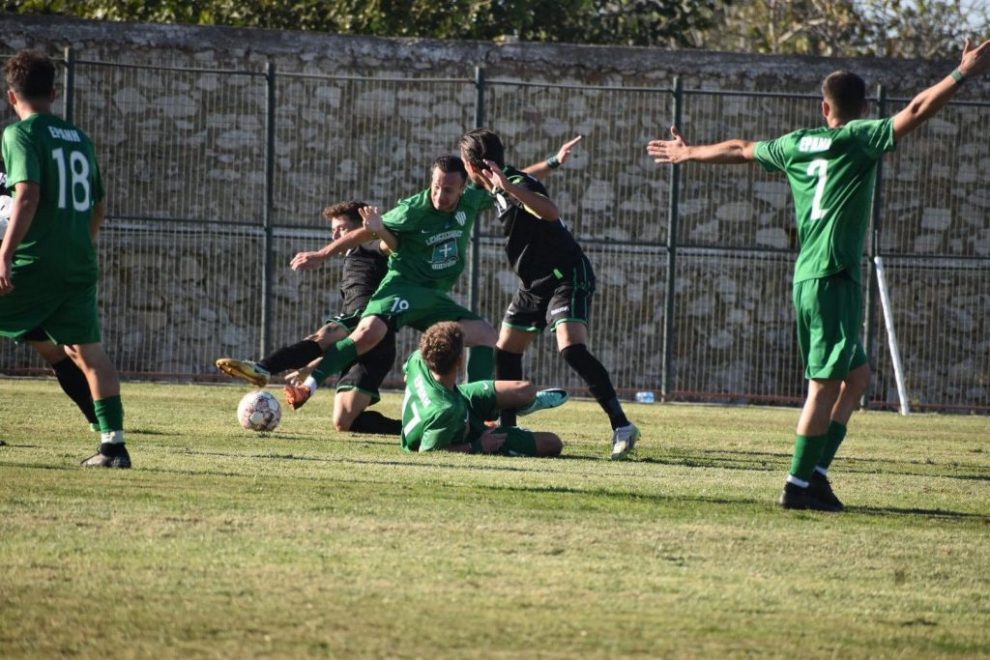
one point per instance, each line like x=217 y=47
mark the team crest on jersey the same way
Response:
x=461 y=217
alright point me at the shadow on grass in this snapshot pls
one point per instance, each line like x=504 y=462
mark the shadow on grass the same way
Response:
x=927 y=513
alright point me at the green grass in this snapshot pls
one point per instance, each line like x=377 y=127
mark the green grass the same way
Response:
x=312 y=542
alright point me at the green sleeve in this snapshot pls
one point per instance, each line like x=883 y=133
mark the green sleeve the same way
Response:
x=98 y=191
x=20 y=158
x=772 y=154
x=399 y=219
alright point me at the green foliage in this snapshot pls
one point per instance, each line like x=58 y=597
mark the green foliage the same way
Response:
x=308 y=542
x=633 y=22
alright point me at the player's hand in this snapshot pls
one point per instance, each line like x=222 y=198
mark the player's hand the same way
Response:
x=565 y=151
x=668 y=151
x=306 y=261
x=495 y=176
x=492 y=442
x=371 y=218
x=975 y=60
x=6 y=277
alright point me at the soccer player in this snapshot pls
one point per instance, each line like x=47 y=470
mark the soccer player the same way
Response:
x=70 y=377
x=364 y=267
x=433 y=229
x=437 y=413
x=831 y=170
x=556 y=279
x=48 y=266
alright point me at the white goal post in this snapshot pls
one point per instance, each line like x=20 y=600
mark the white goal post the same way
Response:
x=888 y=320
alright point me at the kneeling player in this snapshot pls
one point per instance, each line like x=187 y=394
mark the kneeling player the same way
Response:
x=437 y=413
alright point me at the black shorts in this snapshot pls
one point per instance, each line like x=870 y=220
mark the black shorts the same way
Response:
x=367 y=373
x=562 y=297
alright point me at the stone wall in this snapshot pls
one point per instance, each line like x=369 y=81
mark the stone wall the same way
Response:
x=180 y=117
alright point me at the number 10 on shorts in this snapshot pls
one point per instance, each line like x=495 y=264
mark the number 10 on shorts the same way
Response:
x=399 y=306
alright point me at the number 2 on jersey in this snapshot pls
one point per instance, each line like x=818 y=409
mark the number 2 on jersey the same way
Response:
x=78 y=169
x=819 y=168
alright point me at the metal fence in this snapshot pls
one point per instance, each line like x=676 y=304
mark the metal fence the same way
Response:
x=216 y=177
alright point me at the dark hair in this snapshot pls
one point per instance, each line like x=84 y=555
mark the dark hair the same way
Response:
x=450 y=164
x=441 y=347
x=846 y=93
x=30 y=74
x=480 y=145
x=347 y=210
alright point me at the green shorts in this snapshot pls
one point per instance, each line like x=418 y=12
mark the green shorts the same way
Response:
x=400 y=304
x=829 y=324
x=518 y=441
x=67 y=314
x=482 y=407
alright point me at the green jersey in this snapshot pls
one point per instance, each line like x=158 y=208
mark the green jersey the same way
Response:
x=832 y=173
x=433 y=417
x=60 y=158
x=433 y=244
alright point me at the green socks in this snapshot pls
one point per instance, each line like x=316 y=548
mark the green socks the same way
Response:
x=110 y=414
x=807 y=454
x=481 y=363
x=836 y=434
x=334 y=359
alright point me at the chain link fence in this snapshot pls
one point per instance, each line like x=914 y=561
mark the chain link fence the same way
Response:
x=215 y=178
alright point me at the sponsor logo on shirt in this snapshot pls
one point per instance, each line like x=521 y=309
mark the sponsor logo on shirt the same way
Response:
x=444 y=236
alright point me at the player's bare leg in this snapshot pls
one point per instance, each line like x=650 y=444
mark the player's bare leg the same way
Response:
x=480 y=337
x=104 y=385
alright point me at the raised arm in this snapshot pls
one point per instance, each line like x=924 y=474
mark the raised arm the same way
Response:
x=676 y=150
x=974 y=62
x=542 y=169
x=311 y=260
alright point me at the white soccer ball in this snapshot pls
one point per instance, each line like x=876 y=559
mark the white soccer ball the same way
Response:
x=6 y=207
x=259 y=411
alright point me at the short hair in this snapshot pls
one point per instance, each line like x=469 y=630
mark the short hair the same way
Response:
x=347 y=210
x=30 y=74
x=482 y=144
x=441 y=346
x=450 y=164
x=846 y=93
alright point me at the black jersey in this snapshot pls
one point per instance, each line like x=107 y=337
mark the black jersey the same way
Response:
x=535 y=247
x=364 y=269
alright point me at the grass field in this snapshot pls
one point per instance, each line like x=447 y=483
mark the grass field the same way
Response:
x=310 y=542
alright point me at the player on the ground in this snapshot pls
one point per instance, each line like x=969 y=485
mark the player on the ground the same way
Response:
x=433 y=229
x=364 y=267
x=437 y=413
x=70 y=377
x=832 y=172
x=48 y=266
x=556 y=279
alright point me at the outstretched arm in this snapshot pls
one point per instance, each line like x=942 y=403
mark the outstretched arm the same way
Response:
x=676 y=150
x=923 y=106
x=311 y=260
x=25 y=205
x=542 y=169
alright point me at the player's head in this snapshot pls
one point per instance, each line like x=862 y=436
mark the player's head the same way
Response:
x=343 y=217
x=447 y=182
x=30 y=78
x=442 y=347
x=844 y=95
x=480 y=145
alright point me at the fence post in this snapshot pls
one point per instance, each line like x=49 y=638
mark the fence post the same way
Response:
x=872 y=344
x=475 y=263
x=69 y=83
x=267 y=280
x=669 y=330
